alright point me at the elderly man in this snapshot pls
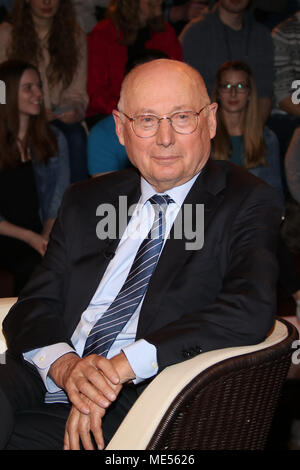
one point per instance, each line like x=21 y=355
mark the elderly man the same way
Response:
x=101 y=317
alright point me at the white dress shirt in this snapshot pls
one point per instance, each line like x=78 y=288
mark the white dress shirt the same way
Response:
x=140 y=354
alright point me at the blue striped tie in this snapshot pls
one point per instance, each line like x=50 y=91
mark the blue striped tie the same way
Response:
x=107 y=328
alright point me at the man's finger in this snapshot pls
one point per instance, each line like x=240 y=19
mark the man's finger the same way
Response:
x=107 y=369
x=96 y=429
x=66 y=441
x=72 y=441
x=84 y=432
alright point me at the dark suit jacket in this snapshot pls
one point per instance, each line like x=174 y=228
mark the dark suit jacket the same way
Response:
x=219 y=296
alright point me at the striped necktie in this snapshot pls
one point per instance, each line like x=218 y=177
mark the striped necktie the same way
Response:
x=111 y=323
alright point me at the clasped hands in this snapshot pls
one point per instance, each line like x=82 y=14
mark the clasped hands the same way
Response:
x=92 y=384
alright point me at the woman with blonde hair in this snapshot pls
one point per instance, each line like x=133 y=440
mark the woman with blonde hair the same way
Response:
x=241 y=136
x=242 y=139
x=131 y=28
x=45 y=34
x=34 y=171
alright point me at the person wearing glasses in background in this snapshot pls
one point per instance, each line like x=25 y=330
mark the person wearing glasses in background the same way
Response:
x=171 y=297
x=242 y=139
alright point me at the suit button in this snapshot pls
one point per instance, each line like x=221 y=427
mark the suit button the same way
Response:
x=186 y=354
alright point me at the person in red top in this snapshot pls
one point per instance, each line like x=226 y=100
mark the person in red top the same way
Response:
x=131 y=27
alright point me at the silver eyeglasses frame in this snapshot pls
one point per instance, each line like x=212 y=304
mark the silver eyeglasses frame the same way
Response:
x=132 y=119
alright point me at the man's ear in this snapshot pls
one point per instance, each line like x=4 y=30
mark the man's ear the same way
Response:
x=212 y=119
x=119 y=126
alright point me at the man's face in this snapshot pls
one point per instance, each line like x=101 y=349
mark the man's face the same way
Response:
x=234 y=6
x=161 y=88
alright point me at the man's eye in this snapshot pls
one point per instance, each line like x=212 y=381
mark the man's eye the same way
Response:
x=182 y=116
x=147 y=120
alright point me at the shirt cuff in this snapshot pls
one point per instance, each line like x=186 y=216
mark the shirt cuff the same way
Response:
x=142 y=357
x=43 y=358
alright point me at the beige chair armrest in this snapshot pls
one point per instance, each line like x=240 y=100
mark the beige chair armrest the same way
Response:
x=5 y=305
x=141 y=421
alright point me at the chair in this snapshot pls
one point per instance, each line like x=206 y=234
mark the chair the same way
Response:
x=219 y=400
x=5 y=304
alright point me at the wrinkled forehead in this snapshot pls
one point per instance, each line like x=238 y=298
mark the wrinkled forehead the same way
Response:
x=162 y=86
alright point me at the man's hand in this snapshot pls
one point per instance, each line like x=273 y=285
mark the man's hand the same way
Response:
x=93 y=377
x=80 y=426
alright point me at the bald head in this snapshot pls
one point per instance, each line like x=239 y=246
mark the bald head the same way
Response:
x=172 y=95
x=166 y=77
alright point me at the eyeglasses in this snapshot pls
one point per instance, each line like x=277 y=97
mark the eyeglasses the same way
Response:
x=238 y=87
x=147 y=125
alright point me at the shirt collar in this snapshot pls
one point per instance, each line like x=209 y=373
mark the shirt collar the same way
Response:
x=178 y=193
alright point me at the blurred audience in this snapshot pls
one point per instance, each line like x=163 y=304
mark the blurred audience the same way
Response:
x=230 y=32
x=292 y=166
x=47 y=35
x=241 y=137
x=132 y=27
x=105 y=153
x=286 y=114
x=87 y=12
x=179 y=12
x=34 y=171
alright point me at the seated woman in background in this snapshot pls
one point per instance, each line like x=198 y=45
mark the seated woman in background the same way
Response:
x=132 y=26
x=46 y=34
x=241 y=137
x=34 y=171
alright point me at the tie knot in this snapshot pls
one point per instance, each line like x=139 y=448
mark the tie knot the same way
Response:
x=162 y=200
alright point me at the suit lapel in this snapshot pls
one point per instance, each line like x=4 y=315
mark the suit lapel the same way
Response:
x=96 y=253
x=207 y=190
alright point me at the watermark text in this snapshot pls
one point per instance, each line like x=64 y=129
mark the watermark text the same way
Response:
x=2 y=92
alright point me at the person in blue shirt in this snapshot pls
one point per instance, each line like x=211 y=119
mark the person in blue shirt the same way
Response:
x=105 y=153
x=34 y=172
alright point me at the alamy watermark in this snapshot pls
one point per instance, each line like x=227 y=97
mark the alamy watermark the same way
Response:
x=296 y=93
x=3 y=358
x=188 y=224
x=2 y=92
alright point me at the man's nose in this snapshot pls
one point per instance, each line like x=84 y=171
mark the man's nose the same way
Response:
x=165 y=135
x=47 y=2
